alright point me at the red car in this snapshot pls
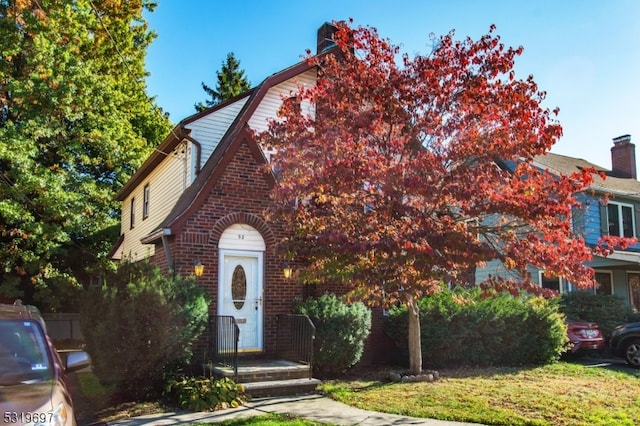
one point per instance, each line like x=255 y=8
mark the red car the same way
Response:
x=584 y=336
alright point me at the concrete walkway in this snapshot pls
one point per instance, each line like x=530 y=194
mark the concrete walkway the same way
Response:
x=313 y=407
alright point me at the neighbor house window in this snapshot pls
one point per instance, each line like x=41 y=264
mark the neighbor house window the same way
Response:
x=145 y=202
x=132 y=213
x=604 y=283
x=555 y=283
x=620 y=220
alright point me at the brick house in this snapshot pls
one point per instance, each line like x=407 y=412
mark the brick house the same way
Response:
x=200 y=199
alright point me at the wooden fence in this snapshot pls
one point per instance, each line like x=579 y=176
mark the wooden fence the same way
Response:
x=63 y=326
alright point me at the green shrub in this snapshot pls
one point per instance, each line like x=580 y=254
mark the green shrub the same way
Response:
x=206 y=394
x=140 y=326
x=607 y=311
x=341 y=330
x=463 y=327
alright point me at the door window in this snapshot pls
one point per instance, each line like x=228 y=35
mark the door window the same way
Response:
x=239 y=287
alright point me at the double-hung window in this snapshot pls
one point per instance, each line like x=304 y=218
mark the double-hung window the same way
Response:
x=145 y=202
x=132 y=213
x=554 y=283
x=620 y=220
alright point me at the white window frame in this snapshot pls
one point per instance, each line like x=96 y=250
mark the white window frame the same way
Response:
x=564 y=286
x=619 y=209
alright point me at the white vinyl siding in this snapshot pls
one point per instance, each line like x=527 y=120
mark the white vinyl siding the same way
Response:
x=241 y=237
x=177 y=171
x=167 y=182
x=270 y=104
x=210 y=129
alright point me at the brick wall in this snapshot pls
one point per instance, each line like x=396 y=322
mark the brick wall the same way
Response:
x=241 y=195
x=623 y=157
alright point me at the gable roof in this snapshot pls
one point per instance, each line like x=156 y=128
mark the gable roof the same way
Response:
x=238 y=132
x=611 y=184
x=173 y=139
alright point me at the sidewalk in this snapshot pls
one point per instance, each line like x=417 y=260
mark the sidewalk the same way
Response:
x=313 y=407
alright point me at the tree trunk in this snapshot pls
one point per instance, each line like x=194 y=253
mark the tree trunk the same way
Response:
x=415 y=346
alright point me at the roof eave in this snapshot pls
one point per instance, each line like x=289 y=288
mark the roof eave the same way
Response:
x=176 y=135
x=156 y=236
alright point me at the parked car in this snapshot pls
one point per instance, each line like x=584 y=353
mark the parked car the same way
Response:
x=625 y=343
x=584 y=336
x=33 y=385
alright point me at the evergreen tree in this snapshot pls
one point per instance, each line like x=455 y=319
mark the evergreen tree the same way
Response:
x=231 y=82
x=75 y=123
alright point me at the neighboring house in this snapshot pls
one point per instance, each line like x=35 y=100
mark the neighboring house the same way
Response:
x=619 y=273
x=201 y=198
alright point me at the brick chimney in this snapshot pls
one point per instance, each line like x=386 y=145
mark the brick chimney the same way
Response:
x=325 y=36
x=623 y=157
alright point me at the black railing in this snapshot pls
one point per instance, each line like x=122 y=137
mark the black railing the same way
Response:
x=294 y=339
x=224 y=341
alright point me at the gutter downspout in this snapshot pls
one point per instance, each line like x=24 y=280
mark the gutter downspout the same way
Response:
x=198 y=150
x=166 y=232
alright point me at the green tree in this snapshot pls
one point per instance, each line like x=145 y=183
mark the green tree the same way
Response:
x=231 y=82
x=75 y=122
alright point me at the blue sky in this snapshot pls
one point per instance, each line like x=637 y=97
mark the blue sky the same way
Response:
x=584 y=53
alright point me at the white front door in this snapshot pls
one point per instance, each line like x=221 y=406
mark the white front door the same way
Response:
x=240 y=295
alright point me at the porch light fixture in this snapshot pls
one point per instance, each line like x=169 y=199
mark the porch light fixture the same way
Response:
x=286 y=270
x=198 y=268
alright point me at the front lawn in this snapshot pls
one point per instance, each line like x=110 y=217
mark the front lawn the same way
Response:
x=559 y=394
x=564 y=393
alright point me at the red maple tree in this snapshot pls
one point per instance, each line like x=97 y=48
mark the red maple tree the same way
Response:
x=399 y=173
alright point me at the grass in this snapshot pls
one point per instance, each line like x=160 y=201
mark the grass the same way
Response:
x=267 y=420
x=563 y=394
x=560 y=394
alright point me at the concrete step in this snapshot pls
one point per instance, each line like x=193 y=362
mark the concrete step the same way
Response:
x=265 y=370
x=287 y=387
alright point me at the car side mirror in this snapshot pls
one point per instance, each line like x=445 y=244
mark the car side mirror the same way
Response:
x=77 y=361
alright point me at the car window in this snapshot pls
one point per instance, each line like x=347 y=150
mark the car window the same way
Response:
x=23 y=352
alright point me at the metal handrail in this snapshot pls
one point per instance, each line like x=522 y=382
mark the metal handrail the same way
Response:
x=224 y=341
x=294 y=339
